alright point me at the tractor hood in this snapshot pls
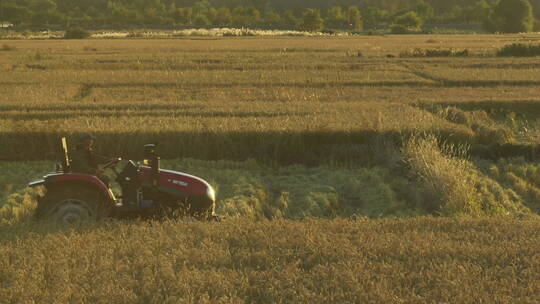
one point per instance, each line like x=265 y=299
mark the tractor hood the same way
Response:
x=178 y=182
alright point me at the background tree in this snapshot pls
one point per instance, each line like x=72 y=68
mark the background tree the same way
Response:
x=183 y=16
x=312 y=21
x=513 y=16
x=272 y=18
x=201 y=7
x=252 y=16
x=268 y=13
x=246 y=16
x=46 y=13
x=223 y=17
x=47 y=18
x=423 y=10
x=16 y=14
x=211 y=14
x=478 y=12
x=43 y=5
x=201 y=20
x=289 y=19
x=374 y=16
x=409 y=20
x=334 y=17
x=354 y=18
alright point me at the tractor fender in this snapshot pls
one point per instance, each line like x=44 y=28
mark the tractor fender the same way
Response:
x=37 y=183
x=87 y=180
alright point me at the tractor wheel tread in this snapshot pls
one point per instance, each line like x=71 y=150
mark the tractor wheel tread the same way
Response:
x=57 y=196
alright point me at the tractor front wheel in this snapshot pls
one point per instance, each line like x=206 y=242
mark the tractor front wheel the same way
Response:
x=72 y=206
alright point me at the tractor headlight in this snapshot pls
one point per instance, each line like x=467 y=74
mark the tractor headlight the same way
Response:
x=211 y=193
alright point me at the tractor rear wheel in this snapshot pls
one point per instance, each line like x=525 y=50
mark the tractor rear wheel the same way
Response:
x=72 y=206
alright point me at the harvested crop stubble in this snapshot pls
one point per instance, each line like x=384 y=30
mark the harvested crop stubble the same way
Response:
x=285 y=100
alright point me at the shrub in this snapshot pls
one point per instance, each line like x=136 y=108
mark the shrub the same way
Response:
x=135 y=35
x=435 y=53
x=409 y=20
x=398 y=29
x=447 y=53
x=519 y=50
x=77 y=34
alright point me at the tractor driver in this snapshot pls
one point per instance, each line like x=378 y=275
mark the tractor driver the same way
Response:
x=85 y=160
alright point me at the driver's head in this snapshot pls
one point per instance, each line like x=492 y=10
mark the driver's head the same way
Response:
x=86 y=140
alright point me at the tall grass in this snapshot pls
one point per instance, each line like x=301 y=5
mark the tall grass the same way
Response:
x=455 y=186
x=445 y=176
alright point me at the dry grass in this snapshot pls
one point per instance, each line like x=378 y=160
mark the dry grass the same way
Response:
x=444 y=173
x=422 y=260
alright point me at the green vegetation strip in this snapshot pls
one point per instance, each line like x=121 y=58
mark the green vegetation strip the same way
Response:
x=420 y=260
x=425 y=179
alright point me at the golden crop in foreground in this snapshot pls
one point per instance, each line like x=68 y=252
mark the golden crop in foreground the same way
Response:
x=421 y=260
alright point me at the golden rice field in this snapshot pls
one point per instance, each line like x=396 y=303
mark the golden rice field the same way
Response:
x=333 y=104
x=289 y=100
x=327 y=153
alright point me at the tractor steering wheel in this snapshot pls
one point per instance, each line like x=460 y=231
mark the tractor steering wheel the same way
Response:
x=112 y=163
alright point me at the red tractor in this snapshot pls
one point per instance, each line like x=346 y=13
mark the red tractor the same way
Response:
x=147 y=192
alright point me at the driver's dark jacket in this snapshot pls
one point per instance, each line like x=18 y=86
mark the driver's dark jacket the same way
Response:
x=86 y=161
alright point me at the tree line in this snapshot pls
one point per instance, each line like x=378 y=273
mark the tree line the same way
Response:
x=309 y=15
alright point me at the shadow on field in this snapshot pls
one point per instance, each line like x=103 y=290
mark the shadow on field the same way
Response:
x=529 y=108
x=443 y=82
x=153 y=114
x=489 y=83
x=200 y=85
x=9 y=83
x=101 y=106
x=503 y=66
x=359 y=148
x=308 y=85
x=428 y=82
x=36 y=229
x=309 y=148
